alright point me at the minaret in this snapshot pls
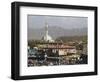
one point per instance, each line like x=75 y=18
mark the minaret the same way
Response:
x=47 y=37
x=46 y=30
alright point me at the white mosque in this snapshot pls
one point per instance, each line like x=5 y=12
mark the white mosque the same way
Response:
x=47 y=37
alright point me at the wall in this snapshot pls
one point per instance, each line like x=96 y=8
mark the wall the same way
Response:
x=5 y=39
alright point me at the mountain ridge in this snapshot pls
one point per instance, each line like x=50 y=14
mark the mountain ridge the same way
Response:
x=55 y=32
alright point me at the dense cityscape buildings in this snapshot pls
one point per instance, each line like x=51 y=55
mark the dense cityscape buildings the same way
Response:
x=49 y=52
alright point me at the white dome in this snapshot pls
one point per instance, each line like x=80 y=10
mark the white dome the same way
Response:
x=48 y=38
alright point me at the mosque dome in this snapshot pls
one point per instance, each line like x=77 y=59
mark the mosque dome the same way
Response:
x=47 y=38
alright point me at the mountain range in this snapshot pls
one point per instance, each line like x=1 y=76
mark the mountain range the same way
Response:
x=55 y=32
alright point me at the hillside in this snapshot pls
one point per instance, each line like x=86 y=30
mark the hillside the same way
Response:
x=55 y=32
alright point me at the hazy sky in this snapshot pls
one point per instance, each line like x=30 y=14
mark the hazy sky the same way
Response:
x=38 y=21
